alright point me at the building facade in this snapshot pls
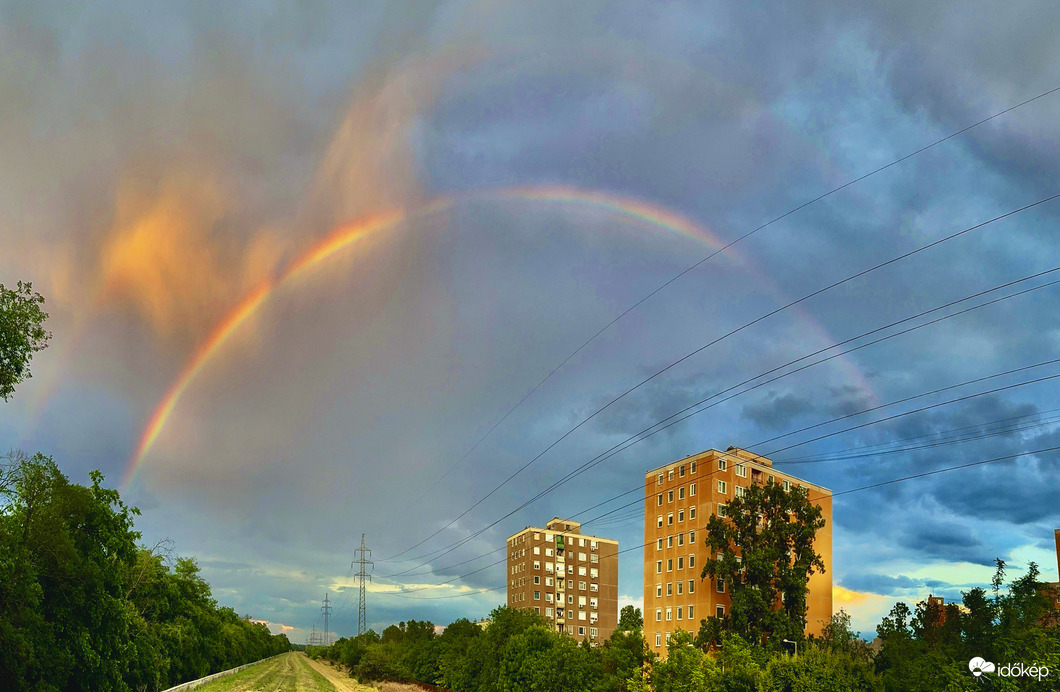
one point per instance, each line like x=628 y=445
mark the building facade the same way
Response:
x=679 y=499
x=570 y=578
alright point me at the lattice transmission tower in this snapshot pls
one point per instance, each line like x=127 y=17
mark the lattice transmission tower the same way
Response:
x=361 y=560
x=326 y=610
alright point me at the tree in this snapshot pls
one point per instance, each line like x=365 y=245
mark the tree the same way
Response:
x=21 y=334
x=630 y=619
x=767 y=557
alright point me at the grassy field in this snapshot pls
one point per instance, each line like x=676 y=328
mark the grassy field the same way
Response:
x=291 y=672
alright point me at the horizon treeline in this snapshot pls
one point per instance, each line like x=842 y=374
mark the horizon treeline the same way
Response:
x=926 y=648
x=84 y=607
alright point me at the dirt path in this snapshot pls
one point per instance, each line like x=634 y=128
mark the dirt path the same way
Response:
x=291 y=672
x=339 y=678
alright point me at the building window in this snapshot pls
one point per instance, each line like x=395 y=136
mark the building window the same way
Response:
x=548 y=552
x=658 y=590
x=680 y=584
x=537 y=565
x=721 y=464
x=669 y=614
x=787 y=486
x=668 y=639
x=548 y=581
x=548 y=598
x=570 y=614
x=669 y=588
x=680 y=515
x=537 y=579
x=658 y=522
x=681 y=562
x=593 y=545
x=722 y=511
x=680 y=539
x=581 y=556
x=739 y=490
x=681 y=493
x=669 y=495
x=720 y=586
x=692 y=509
x=670 y=564
x=770 y=478
x=658 y=566
x=669 y=541
x=658 y=639
x=593 y=572
x=658 y=481
x=678 y=612
x=693 y=467
x=681 y=471
x=537 y=595
x=691 y=589
x=692 y=537
x=691 y=612
x=581 y=586
x=722 y=487
x=659 y=500
x=691 y=561
x=593 y=633
x=537 y=550
x=658 y=615
x=594 y=587
x=548 y=612
x=670 y=475
x=741 y=470
x=670 y=519
x=658 y=544
x=720 y=611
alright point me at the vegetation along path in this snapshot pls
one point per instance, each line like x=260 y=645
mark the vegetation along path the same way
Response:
x=291 y=672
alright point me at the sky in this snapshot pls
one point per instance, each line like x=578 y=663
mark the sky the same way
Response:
x=318 y=271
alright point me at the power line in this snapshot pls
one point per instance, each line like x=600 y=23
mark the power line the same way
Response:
x=684 y=414
x=961 y=439
x=746 y=325
x=663 y=286
x=848 y=491
x=899 y=401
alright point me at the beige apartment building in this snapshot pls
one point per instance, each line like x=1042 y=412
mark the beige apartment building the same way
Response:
x=679 y=499
x=570 y=578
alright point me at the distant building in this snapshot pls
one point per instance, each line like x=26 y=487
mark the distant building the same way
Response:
x=1052 y=590
x=679 y=499
x=569 y=578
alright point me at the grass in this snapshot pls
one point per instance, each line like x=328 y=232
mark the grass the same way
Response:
x=287 y=673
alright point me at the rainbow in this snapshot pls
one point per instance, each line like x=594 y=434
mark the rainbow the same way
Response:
x=627 y=208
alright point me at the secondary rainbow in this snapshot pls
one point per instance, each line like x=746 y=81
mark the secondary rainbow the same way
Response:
x=624 y=207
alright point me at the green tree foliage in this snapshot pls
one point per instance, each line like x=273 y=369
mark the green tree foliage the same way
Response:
x=928 y=648
x=83 y=608
x=22 y=334
x=767 y=557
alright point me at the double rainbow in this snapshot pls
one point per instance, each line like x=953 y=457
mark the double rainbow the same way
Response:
x=627 y=208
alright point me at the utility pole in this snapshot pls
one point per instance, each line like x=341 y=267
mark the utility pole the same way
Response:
x=326 y=609
x=361 y=560
x=314 y=638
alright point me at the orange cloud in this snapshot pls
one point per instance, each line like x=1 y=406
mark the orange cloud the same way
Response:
x=169 y=258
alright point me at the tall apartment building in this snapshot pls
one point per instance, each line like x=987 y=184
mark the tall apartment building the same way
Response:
x=679 y=499
x=570 y=578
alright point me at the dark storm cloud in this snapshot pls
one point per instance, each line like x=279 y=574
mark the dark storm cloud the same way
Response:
x=778 y=411
x=367 y=388
x=883 y=584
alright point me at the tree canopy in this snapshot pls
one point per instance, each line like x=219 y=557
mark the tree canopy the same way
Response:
x=765 y=545
x=22 y=334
